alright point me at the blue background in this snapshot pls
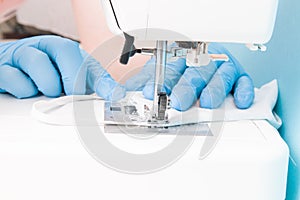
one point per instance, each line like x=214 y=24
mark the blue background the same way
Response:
x=281 y=61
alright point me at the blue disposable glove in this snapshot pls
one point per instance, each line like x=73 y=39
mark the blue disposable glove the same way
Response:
x=52 y=65
x=211 y=83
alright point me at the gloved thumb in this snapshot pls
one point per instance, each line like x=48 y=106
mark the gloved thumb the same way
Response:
x=100 y=81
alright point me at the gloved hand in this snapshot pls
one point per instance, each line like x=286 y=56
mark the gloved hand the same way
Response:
x=211 y=83
x=52 y=65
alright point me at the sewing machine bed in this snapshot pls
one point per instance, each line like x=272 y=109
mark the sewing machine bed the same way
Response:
x=39 y=161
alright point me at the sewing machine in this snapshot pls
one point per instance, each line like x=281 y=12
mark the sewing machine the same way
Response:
x=241 y=172
x=192 y=25
x=249 y=161
x=41 y=161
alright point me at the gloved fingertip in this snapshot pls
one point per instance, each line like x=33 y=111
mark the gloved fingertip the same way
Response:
x=54 y=90
x=118 y=93
x=243 y=99
x=210 y=99
x=78 y=89
x=244 y=92
x=148 y=90
x=111 y=91
x=206 y=101
x=176 y=103
x=25 y=96
x=78 y=86
x=182 y=100
x=16 y=83
x=28 y=92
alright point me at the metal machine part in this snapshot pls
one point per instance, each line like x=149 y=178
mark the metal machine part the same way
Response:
x=127 y=117
x=128 y=49
x=146 y=21
x=256 y=47
x=196 y=54
x=160 y=97
x=162 y=106
x=183 y=130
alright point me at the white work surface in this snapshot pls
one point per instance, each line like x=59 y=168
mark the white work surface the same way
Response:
x=40 y=161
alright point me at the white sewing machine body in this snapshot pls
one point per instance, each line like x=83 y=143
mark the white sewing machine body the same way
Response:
x=192 y=25
x=239 y=21
x=250 y=161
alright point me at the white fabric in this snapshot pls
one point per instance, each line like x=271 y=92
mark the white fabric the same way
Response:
x=262 y=108
x=61 y=111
